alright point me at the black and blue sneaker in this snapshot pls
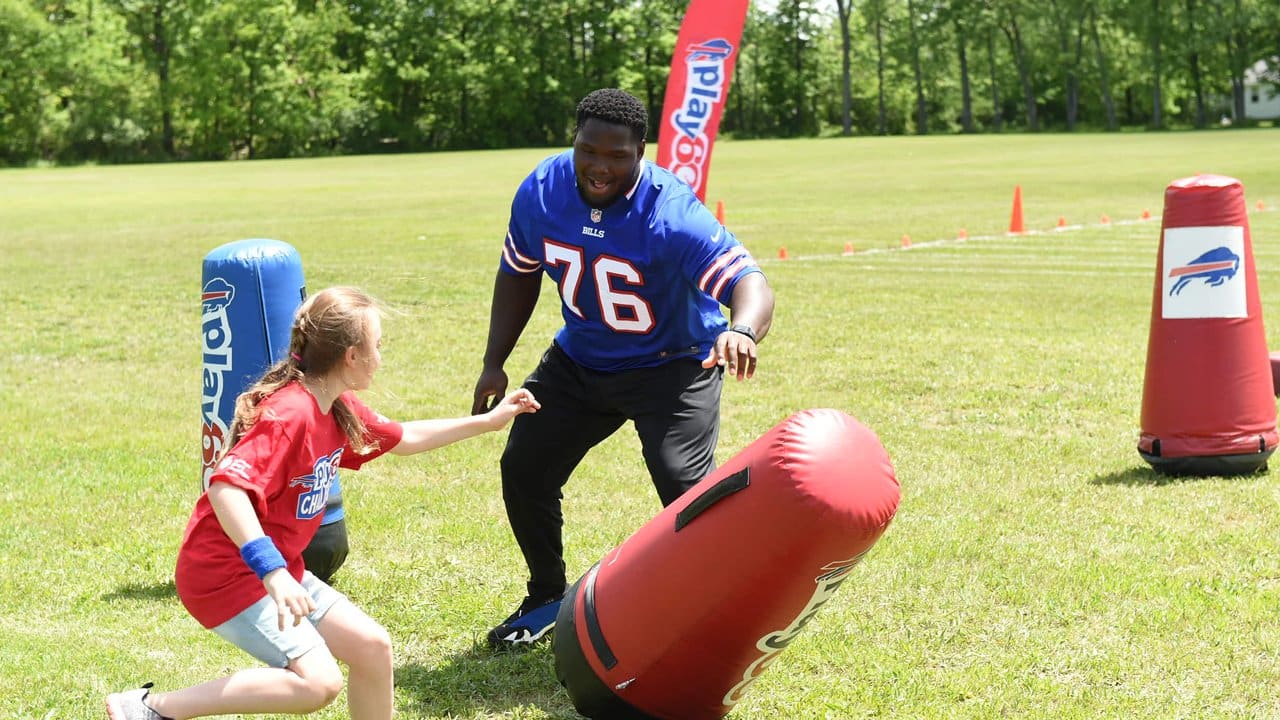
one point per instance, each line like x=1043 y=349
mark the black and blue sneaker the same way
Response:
x=528 y=624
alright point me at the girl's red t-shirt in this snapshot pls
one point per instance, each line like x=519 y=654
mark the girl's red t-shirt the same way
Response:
x=286 y=463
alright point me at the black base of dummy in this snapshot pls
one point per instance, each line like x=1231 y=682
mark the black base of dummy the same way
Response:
x=591 y=697
x=1209 y=466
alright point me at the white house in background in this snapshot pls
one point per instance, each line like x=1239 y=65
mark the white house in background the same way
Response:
x=1262 y=90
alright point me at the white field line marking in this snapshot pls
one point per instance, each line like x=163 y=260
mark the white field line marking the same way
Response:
x=1154 y=220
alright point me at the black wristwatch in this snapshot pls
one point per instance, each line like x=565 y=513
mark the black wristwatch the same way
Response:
x=744 y=330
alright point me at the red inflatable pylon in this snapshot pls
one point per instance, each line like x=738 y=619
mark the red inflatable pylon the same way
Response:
x=682 y=617
x=1208 y=404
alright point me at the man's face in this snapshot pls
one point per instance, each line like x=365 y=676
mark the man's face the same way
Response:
x=606 y=159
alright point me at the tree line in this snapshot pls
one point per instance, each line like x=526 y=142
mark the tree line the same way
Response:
x=159 y=80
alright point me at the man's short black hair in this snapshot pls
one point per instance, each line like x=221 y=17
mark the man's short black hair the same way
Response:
x=614 y=106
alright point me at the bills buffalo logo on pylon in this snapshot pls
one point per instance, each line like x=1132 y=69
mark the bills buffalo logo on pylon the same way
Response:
x=1215 y=267
x=215 y=328
x=324 y=473
x=705 y=80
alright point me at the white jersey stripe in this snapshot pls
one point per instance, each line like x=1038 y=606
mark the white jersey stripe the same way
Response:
x=516 y=253
x=720 y=262
x=730 y=273
x=519 y=267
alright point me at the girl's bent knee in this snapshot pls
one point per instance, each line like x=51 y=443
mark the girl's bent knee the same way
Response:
x=327 y=688
x=322 y=686
x=374 y=651
x=379 y=643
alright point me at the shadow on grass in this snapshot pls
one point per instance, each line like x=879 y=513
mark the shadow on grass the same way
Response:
x=1145 y=475
x=482 y=681
x=140 y=591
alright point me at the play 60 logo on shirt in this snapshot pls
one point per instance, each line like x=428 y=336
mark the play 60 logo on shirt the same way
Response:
x=315 y=487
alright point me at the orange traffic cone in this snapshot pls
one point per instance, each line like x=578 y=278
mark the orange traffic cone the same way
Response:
x=962 y=235
x=1062 y=222
x=1146 y=214
x=848 y=249
x=782 y=253
x=906 y=241
x=1015 y=220
x=1262 y=205
x=1106 y=219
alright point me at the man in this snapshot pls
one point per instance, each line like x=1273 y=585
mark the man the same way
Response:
x=643 y=268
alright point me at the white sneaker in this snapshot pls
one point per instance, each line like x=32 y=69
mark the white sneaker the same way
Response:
x=132 y=705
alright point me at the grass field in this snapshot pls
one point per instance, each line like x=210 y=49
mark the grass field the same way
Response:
x=1037 y=568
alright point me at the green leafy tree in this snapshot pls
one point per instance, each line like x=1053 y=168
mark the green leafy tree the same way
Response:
x=1102 y=67
x=105 y=98
x=29 y=112
x=785 y=69
x=155 y=32
x=1012 y=16
x=263 y=80
x=650 y=28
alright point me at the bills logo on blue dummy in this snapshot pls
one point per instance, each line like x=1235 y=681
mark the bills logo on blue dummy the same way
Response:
x=215 y=327
x=250 y=290
x=315 y=487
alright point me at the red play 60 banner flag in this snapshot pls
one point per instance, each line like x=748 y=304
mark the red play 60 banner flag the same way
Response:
x=701 y=68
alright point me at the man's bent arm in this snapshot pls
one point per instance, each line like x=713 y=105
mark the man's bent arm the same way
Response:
x=752 y=304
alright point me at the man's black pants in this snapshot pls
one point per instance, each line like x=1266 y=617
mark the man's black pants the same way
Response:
x=676 y=411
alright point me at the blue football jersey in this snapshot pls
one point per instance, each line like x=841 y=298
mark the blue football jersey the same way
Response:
x=642 y=281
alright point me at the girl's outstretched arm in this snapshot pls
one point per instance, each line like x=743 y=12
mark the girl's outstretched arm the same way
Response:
x=421 y=435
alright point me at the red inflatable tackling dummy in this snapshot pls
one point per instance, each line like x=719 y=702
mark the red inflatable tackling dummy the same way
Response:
x=1208 y=403
x=680 y=618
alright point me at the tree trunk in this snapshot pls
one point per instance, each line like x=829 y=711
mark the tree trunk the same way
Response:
x=1104 y=73
x=1238 y=51
x=966 y=93
x=1197 y=81
x=922 y=110
x=253 y=100
x=883 y=118
x=845 y=8
x=161 y=46
x=651 y=94
x=997 y=115
x=1073 y=77
x=464 y=103
x=1237 y=100
x=798 y=66
x=1157 y=100
x=1014 y=33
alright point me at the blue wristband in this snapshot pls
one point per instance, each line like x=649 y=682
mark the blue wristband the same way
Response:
x=261 y=555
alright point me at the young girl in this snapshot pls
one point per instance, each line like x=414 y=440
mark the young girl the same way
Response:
x=240 y=570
